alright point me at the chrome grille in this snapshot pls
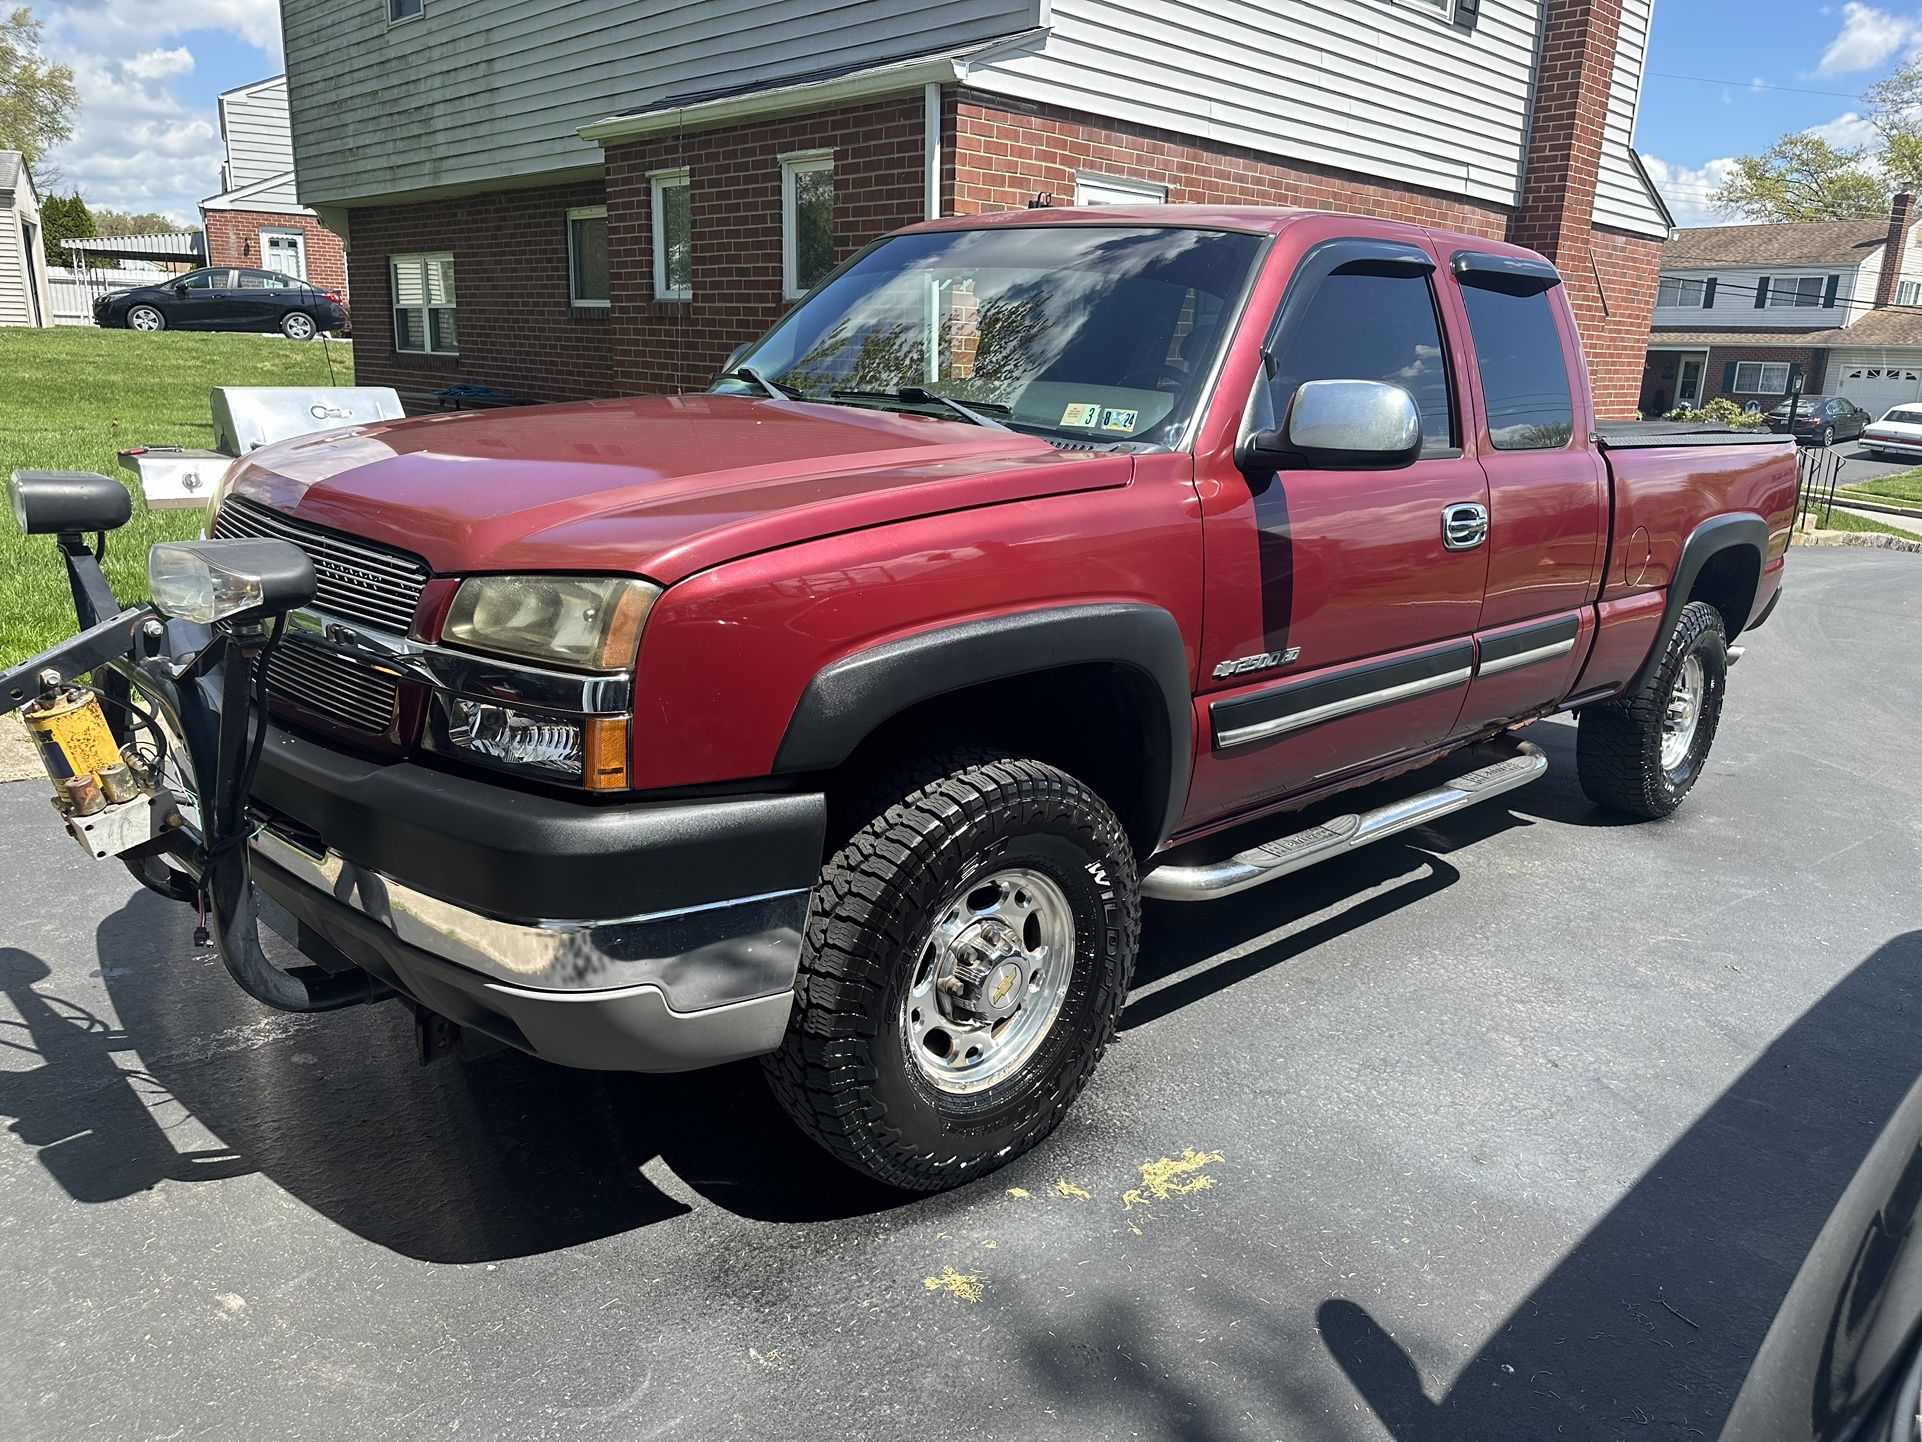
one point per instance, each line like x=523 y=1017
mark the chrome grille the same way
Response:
x=354 y=579
x=325 y=681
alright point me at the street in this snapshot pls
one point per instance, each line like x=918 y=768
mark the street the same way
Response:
x=1516 y=1127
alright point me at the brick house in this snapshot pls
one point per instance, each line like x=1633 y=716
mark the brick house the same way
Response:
x=1745 y=311
x=256 y=222
x=608 y=202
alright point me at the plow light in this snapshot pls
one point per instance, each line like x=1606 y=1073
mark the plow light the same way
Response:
x=230 y=580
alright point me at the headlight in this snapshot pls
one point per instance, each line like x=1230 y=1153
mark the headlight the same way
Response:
x=586 y=623
x=209 y=581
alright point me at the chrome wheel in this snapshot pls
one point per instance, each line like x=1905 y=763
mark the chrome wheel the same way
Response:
x=989 y=980
x=298 y=326
x=145 y=317
x=1684 y=712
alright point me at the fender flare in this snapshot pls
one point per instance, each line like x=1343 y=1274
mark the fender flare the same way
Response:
x=848 y=699
x=1741 y=529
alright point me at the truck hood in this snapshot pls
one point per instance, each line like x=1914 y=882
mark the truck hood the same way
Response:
x=658 y=486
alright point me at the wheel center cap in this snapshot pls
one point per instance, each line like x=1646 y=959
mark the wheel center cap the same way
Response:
x=990 y=975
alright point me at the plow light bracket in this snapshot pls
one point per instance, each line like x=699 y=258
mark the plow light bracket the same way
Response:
x=228 y=580
x=49 y=503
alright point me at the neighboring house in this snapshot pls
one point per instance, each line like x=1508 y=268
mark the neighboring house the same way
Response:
x=609 y=198
x=256 y=221
x=24 y=296
x=1745 y=311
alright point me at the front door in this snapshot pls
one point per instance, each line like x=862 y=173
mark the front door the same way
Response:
x=194 y=301
x=1339 y=621
x=1688 y=389
x=284 y=251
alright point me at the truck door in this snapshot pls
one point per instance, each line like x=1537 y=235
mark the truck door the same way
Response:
x=1340 y=616
x=1547 y=486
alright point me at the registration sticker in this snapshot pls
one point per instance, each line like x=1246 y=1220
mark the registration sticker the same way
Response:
x=1116 y=420
x=1080 y=415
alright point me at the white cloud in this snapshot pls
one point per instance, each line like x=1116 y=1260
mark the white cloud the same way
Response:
x=1847 y=132
x=1687 y=189
x=1868 y=38
x=137 y=145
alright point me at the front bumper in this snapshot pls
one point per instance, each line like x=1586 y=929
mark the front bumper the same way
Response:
x=651 y=936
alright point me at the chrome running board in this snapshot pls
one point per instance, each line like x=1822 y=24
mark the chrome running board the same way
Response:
x=1343 y=834
x=1735 y=653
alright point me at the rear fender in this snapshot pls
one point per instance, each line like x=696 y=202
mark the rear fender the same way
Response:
x=1740 y=530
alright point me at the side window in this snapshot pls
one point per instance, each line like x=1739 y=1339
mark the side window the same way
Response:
x=206 y=280
x=1524 y=372
x=1360 y=327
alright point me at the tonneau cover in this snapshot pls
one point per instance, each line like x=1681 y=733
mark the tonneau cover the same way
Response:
x=1637 y=435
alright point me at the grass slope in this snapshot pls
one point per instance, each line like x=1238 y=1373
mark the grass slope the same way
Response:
x=1902 y=488
x=71 y=397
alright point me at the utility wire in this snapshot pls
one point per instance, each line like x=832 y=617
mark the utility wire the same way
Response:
x=1751 y=85
x=1723 y=287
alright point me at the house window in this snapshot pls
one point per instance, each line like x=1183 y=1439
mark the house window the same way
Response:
x=404 y=9
x=1909 y=292
x=807 y=220
x=1108 y=190
x=1674 y=291
x=424 y=304
x=1797 y=290
x=1762 y=378
x=587 y=256
x=672 y=202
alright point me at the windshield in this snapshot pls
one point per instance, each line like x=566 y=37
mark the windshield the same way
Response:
x=1072 y=332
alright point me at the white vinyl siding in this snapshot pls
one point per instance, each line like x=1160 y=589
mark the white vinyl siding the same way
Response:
x=1761 y=378
x=481 y=92
x=1734 y=305
x=1383 y=89
x=260 y=144
x=16 y=307
x=1622 y=197
x=587 y=268
x=671 y=202
x=424 y=298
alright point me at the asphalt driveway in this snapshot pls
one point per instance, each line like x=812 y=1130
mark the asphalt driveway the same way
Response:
x=1513 y=1128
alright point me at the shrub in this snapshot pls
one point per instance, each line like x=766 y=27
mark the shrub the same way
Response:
x=1719 y=412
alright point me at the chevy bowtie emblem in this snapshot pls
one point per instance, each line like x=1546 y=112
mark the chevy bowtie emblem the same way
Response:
x=1261 y=662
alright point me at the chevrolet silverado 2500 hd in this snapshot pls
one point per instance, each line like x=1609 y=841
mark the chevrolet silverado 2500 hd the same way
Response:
x=844 y=714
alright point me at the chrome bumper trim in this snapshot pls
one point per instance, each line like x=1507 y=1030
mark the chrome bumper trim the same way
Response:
x=699 y=956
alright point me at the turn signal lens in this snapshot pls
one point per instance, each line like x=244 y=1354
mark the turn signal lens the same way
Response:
x=606 y=768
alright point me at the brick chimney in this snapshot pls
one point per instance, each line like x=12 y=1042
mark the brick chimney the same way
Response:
x=1574 y=73
x=1895 y=249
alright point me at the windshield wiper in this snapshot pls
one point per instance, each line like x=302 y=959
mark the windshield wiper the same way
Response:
x=919 y=396
x=775 y=389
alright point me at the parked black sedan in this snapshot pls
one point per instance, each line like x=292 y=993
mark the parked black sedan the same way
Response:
x=1822 y=420
x=217 y=298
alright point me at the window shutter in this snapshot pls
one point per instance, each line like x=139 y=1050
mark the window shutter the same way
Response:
x=1728 y=378
x=1761 y=292
x=1708 y=294
x=1467 y=12
x=1828 y=296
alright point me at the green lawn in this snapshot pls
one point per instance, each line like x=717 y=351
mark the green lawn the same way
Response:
x=1902 y=488
x=70 y=398
x=1848 y=521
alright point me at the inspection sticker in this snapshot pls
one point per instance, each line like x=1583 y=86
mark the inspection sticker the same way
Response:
x=1081 y=415
x=1114 y=420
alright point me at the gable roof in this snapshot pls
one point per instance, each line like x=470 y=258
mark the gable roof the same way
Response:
x=12 y=166
x=1796 y=242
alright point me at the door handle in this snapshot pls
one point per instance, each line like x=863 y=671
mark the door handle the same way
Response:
x=1464 y=526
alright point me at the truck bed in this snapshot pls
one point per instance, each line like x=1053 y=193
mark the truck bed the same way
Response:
x=1640 y=435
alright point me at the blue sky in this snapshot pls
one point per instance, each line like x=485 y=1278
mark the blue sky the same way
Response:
x=149 y=71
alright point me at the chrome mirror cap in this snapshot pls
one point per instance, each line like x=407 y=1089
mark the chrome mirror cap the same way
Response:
x=1354 y=423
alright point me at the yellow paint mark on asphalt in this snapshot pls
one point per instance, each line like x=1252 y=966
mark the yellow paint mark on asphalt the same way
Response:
x=1069 y=1189
x=1019 y=1192
x=963 y=1286
x=1171 y=1177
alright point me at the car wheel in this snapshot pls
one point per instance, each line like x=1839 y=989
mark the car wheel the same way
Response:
x=1828 y=437
x=145 y=317
x=297 y=325
x=1644 y=754
x=968 y=950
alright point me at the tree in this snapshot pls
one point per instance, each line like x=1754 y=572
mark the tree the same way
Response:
x=1895 y=110
x=108 y=221
x=64 y=217
x=1803 y=177
x=37 y=98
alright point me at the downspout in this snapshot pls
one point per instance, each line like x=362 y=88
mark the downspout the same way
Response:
x=931 y=147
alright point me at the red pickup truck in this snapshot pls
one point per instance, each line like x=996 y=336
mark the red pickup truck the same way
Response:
x=844 y=714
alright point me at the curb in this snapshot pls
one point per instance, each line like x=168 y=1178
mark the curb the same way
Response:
x=1868 y=540
x=1848 y=498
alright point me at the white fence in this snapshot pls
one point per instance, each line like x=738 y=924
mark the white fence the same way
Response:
x=74 y=291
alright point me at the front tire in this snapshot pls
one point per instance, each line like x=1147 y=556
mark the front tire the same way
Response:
x=298 y=325
x=147 y=318
x=967 y=953
x=1644 y=754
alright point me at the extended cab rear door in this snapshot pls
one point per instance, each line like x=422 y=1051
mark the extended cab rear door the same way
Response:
x=1529 y=424
x=1339 y=617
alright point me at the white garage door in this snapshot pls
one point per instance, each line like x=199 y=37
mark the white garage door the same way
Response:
x=1877 y=387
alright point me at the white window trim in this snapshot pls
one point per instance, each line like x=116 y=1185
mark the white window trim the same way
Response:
x=1682 y=282
x=1761 y=386
x=300 y=246
x=657 y=181
x=427 y=326
x=1779 y=286
x=1910 y=288
x=797 y=162
x=1145 y=192
x=582 y=212
x=387 y=10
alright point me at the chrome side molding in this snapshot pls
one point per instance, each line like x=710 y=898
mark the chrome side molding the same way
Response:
x=1345 y=833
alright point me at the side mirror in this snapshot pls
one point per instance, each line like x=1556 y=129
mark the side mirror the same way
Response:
x=1347 y=425
x=179 y=287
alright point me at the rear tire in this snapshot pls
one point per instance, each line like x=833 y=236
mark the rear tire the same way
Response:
x=1644 y=754
x=895 y=1059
